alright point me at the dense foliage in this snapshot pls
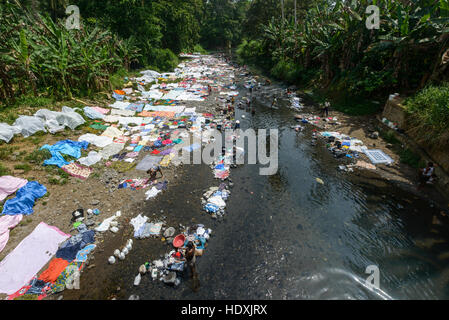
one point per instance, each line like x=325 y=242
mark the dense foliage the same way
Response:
x=330 y=45
x=38 y=54
x=429 y=111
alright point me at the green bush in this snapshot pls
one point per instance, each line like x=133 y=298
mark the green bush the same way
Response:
x=198 y=48
x=162 y=60
x=429 y=108
x=409 y=157
x=287 y=70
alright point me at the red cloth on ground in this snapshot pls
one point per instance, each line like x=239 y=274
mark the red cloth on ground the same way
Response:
x=57 y=265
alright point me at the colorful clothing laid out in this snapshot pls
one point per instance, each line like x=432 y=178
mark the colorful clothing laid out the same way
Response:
x=7 y=222
x=30 y=255
x=25 y=198
x=81 y=256
x=77 y=170
x=69 y=249
x=135 y=184
x=57 y=265
x=9 y=185
x=60 y=282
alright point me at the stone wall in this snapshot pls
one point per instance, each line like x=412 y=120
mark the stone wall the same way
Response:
x=395 y=112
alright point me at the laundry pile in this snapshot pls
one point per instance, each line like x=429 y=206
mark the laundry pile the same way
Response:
x=170 y=268
x=214 y=200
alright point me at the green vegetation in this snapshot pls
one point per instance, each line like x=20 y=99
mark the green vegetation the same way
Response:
x=429 y=112
x=38 y=156
x=39 y=55
x=389 y=136
x=330 y=46
x=23 y=166
x=407 y=156
x=4 y=171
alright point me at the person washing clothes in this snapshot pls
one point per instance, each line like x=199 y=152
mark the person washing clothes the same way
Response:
x=190 y=257
x=427 y=175
x=153 y=172
x=274 y=101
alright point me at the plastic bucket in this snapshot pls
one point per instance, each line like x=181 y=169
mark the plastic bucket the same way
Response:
x=179 y=240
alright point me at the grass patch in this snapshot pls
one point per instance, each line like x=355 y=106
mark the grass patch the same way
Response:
x=352 y=106
x=57 y=175
x=23 y=166
x=389 y=136
x=199 y=49
x=356 y=107
x=4 y=171
x=38 y=156
x=407 y=156
x=31 y=104
x=429 y=113
x=6 y=151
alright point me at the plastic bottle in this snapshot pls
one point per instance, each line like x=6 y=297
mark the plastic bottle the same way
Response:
x=137 y=280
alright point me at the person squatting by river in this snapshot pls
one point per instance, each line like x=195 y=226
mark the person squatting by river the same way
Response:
x=427 y=175
x=153 y=172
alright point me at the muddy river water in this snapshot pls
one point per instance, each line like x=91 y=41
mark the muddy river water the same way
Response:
x=285 y=236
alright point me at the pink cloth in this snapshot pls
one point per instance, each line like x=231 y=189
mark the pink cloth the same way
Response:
x=9 y=185
x=101 y=110
x=30 y=255
x=7 y=222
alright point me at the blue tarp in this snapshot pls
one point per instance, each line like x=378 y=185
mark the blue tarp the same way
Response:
x=68 y=147
x=25 y=198
x=210 y=207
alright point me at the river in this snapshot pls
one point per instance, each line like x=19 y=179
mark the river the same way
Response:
x=286 y=236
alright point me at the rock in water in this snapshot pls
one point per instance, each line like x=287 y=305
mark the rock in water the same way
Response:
x=137 y=280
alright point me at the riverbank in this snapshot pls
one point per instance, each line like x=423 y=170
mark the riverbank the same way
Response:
x=281 y=216
x=361 y=124
x=102 y=191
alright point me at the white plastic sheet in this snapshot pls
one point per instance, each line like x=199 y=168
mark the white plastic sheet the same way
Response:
x=7 y=132
x=92 y=158
x=99 y=141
